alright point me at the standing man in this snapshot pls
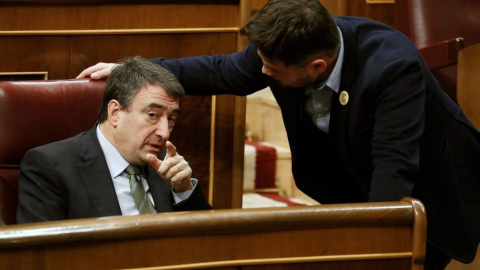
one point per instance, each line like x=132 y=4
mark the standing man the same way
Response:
x=365 y=118
x=113 y=169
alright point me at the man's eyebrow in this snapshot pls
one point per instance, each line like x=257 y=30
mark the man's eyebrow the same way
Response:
x=269 y=67
x=159 y=106
x=265 y=64
x=154 y=105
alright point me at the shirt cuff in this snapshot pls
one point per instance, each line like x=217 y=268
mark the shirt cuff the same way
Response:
x=181 y=196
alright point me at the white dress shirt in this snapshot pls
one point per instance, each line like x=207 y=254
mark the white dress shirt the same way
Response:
x=117 y=165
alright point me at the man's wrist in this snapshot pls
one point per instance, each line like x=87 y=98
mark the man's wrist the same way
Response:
x=181 y=196
x=191 y=185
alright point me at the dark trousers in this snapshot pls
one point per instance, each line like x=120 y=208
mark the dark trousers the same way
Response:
x=435 y=259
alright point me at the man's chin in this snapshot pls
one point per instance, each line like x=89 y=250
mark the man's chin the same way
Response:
x=292 y=85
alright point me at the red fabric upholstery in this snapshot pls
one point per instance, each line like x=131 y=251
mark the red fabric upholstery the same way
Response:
x=265 y=165
x=442 y=54
x=427 y=22
x=8 y=193
x=33 y=113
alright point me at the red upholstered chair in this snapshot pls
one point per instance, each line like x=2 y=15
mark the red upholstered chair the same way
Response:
x=442 y=54
x=428 y=22
x=33 y=113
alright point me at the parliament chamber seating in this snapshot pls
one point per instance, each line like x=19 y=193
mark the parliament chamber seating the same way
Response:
x=467 y=63
x=432 y=24
x=373 y=236
x=58 y=39
x=362 y=236
x=33 y=113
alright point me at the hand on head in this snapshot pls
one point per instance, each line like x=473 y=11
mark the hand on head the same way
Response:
x=97 y=72
x=174 y=168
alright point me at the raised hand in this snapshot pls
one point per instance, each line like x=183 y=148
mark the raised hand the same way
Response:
x=174 y=168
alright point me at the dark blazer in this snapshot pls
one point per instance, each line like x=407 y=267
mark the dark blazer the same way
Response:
x=399 y=134
x=70 y=179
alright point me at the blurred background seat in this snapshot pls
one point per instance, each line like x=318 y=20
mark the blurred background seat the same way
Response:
x=427 y=22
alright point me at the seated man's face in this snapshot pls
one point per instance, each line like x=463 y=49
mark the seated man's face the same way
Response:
x=145 y=126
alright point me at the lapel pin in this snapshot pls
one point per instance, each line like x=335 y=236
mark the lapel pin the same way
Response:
x=343 y=98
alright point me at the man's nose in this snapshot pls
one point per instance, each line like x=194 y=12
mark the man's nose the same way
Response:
x=162 y=129
x=266 y=71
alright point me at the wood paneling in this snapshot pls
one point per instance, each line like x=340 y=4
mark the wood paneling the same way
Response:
x=34 y=53
x=15 y=76
x=380 y=1
x=111 y=2
x=223 y=158
x=239 y=116
x=381 y=10
x=87 y=50
x=336 y=7
x=258 y=4
x=121 y=16
x=468 y=89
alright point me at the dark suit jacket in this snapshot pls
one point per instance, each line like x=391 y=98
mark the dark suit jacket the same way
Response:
x=70 y=179
x=399 y=134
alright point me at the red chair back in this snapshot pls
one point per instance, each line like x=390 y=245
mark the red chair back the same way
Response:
x=427 y=22
x=33 y=113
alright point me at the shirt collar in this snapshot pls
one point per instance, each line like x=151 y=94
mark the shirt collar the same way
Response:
x=334 y=79
x=116 y=163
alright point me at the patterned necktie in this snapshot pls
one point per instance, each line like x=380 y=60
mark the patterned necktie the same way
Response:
x=139 y=195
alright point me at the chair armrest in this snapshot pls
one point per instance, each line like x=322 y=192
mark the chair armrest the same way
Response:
x=442 y=54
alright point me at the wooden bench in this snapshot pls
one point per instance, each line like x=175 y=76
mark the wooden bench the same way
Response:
x=389 y=235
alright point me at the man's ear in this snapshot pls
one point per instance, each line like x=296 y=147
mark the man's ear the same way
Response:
x=114 y=109
x=318 y=66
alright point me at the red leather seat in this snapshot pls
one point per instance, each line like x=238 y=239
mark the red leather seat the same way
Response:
x=428 y=22
x=33 y=113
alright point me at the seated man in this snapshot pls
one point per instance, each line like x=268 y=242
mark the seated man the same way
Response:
x=113 y=169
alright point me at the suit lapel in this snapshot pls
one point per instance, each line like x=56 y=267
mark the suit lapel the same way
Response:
x=96 y=176
x=340 y=110
x=338 y=116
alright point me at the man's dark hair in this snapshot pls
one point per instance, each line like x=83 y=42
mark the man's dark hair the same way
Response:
x=293 y=31
x=131 y=75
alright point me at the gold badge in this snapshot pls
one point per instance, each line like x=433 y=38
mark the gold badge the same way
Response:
x=343 y=98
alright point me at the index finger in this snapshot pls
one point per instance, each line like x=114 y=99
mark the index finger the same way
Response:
x=171 y=149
